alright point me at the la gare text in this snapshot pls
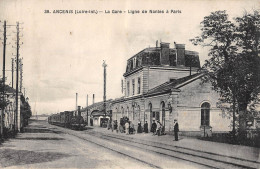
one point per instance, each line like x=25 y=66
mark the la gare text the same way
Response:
x=112 y=11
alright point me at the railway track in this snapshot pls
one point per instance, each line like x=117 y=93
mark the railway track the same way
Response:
x=103 y=145
x=207 y=159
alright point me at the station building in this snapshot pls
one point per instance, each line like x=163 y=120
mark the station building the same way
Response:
x=163 y=83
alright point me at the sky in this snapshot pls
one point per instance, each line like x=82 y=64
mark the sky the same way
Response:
x=63 y=53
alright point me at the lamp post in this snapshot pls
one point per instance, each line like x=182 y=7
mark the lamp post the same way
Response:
x=170 y=107
x=104 y=97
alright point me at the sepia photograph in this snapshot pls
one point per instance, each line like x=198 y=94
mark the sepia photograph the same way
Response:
x=131 y=84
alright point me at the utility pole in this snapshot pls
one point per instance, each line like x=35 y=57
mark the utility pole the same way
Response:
x=3 y=108
x=87 y=110
x=17 y=77
x=104 y=97
x=21 y=74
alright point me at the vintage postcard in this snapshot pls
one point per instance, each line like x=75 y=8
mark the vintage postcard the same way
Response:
x=129 y=84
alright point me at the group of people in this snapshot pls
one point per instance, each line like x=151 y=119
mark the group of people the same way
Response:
x=156 y=128
x=129 y=127
x=113 y=126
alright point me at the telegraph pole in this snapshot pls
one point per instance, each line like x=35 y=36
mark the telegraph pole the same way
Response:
x=3 y=108
x=104 y=97
x=17 y=77
x=21 y=74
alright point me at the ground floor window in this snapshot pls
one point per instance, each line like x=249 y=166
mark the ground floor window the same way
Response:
x=205 y=114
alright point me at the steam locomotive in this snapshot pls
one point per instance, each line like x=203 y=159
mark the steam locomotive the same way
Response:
x=67 y=119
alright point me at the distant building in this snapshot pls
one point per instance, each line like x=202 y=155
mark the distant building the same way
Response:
x=95 y=114
x=11 y=108
x=162 y=83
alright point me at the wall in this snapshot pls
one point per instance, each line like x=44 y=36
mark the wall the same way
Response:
x=160 y=76
x=134 y=76
x=129 y=111
x=189 y=108
x=156 y=107
x=145 y=114
x=154 y=76
x=186 y=107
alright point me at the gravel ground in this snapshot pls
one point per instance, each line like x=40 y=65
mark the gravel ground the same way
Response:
x=41 y=147
x=46 y=146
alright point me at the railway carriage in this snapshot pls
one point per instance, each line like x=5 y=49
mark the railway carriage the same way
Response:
x=68 y=120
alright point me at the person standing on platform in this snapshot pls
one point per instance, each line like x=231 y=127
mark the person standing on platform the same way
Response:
x=115 y=126
x=159 y=128
x=176 y=129
x=127 y=127
x=112 y=126
x=153 y=128
x=139 y=129
x=131 y=128
x=146 y=127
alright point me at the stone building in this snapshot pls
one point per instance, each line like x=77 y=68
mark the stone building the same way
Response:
x=94 y=114
x=163 y=83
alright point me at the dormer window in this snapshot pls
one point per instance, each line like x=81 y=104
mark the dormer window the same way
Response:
x=133 y=83
x=134 y=63
x=128 y=88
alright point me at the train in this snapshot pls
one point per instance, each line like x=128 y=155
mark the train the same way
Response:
x=67 y=119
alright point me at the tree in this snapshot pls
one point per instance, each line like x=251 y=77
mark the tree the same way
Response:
x=233 y=66
x=25 y=111
x=3 y=103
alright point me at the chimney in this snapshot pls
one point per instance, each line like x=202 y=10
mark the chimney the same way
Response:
x=165 y=52
x=156 y=43
x=87 y=100
x=79 y=112
x=93 y=98
x=180 y=54
x=76 y=101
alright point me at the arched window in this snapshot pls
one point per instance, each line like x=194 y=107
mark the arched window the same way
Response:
x=127 y=111
x=205 y=114
x=122 y=111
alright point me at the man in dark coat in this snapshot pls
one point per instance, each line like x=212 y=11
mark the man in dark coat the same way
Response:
x=139 y=128
x=153 y=128
x=115 y=126
x=146 y=127
x=176 y=129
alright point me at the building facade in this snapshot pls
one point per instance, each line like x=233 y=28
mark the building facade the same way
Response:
x=163 y=83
